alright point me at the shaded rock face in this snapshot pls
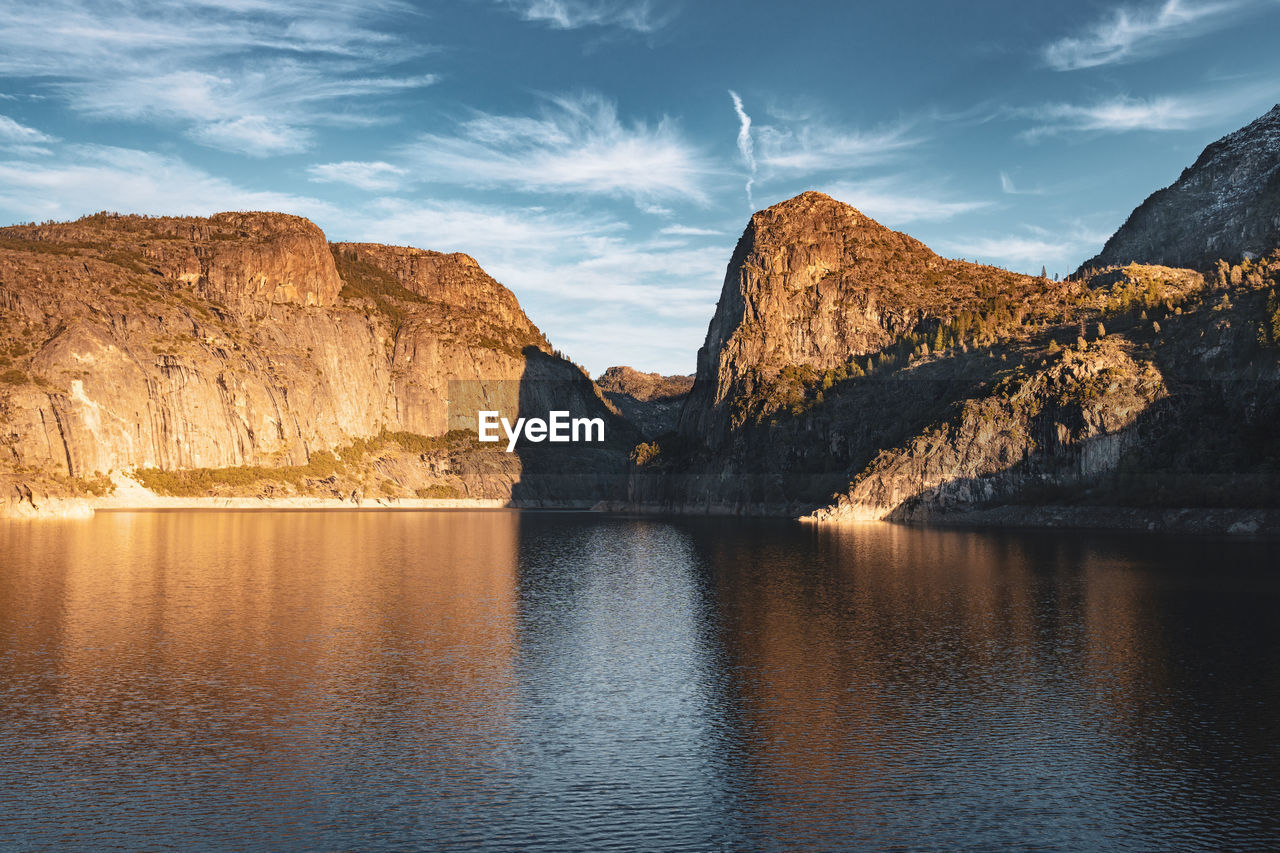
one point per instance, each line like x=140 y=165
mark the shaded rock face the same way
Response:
x=814 y=282
x=1070 y=422
x=650 y=401
x=1015 y=392
x=1226 y=205
x=180 y=343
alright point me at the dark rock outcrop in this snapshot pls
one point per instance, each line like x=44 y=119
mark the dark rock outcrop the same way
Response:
x=850 y=374
x=1224 y=206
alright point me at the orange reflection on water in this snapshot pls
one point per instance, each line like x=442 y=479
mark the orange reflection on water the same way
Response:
x=240 y=628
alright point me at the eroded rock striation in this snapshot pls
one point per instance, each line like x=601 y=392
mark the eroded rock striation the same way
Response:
x=245 y=341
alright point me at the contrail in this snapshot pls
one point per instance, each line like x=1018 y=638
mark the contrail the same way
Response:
x=745 y=145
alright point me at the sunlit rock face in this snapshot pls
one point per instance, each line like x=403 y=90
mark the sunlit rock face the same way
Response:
x=851 y=374
x=814 y=282
x=246 y=339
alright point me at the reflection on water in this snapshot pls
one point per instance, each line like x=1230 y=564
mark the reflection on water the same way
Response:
x=574 y=681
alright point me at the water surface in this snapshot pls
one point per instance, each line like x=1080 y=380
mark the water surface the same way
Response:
x=546 y=681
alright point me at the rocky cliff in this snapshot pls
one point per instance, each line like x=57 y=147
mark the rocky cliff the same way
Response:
x=813 y=284
x=852 y=374
x=649 y=400
x=1224 y=206
x=245 y=342
x=849 y=372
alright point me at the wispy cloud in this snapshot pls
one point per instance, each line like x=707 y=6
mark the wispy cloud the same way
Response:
x=12 y=132
x=814 y=147
x=1009 y=188
x=746 y=147
x=1129 y=34
x=577 y=144
x=894 y=203
x=1119 y=115
x=374 y=176
x=1060 y=248
x=86 y=178
x=247 y=76
x=637 y=15
x=1019 y=252
x=689 y=231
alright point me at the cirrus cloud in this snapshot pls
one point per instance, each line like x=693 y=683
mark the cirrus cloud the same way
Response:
x=1130 y=34
x=577 y=144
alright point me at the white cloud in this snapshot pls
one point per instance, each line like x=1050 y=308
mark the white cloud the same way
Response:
x=256 y=136
x=689 y=231
x=576 y=145
x=1008 y=187
x=1020 y=252
x=815 y=148
x=745 y=145
x=481 y=230
x=89 y=178
x=1122 y=114
x=1059 y=248
x=12 y=132
x=636 y=15
x=892 y=203
x=83 y=39
x=1132 y=34
x=365 y=175
x=252 y=77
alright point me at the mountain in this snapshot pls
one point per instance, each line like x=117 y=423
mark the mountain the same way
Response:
x=247 y=349
x=813 y=283
x=649 y=400
x=850 y=373
x=1224 y=206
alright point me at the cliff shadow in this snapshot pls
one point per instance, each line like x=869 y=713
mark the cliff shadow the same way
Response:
x=791 y=452
x=591 y=466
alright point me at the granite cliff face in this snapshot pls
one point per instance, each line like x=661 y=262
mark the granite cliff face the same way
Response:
x=850 y=374
x=1225 y=206
x=814 y=282
x=246 y=341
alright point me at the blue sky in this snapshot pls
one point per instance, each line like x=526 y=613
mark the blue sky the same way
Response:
x=601 y=157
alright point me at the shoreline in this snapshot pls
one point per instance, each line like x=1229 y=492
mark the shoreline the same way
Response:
x=1197 y=521
x=84 y=508
x=1234 y=522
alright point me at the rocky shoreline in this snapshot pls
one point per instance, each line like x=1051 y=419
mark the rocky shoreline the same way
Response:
x=85 y=508
x=1258 y=523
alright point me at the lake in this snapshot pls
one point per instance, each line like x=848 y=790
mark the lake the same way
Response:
x=574 y=681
